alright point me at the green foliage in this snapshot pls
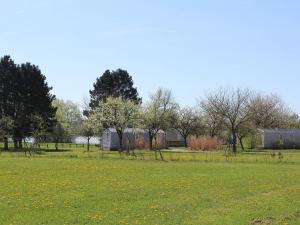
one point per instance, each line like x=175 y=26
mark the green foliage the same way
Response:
x=114 y=84
x=24 y=95
x=69 y=118
x=6 y=126
x=39 y=129
x=87 y=128
x=117 y=113
x=187 y=122
x=158 y=113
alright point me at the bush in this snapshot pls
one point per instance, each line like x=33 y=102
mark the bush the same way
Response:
x=157 y=143
x=140 y=142
x=203 y=143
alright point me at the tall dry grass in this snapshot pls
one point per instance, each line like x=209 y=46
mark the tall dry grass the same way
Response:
x=204 y=143
x=140 y=142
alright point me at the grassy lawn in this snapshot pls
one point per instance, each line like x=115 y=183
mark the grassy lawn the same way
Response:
x=205 y=188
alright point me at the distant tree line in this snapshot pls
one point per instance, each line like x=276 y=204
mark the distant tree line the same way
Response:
x=28 y=109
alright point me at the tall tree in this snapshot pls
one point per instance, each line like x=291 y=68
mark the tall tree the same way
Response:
x=6 y=127
x=212 y=121
x=233 y=105
x=24 y=95
x=117 y=113
x=87 y=130
x=187 y=122
x=35 y=100
x=269 y=111
x=39 y=130
x=115 y=84
x=8 y=93
x=158 y=114
x=69 y=116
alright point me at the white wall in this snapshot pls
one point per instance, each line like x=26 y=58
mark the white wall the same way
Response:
x=83 y=140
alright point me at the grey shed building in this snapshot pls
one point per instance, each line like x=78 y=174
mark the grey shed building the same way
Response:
x=280 y=138
x=174 y=138
x=133 y=138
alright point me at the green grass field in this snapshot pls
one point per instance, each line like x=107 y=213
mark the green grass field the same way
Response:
x=76 y=187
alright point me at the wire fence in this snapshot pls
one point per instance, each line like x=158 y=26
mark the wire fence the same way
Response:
x=80 y=151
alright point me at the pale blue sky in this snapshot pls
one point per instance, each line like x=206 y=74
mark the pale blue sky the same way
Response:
x=190 y=46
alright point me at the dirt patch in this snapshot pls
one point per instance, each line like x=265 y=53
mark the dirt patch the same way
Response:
x=262 y=221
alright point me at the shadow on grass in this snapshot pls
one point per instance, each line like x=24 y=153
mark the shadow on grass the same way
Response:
x=35 y=150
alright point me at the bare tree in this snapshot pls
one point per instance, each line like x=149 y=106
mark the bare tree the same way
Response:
x=293 y=121
x=233 y=106
x=187 y=122
x=269 y=111
x=213 y=122
x=158 y=113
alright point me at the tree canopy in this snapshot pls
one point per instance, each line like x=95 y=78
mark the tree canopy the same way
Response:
x=25 y=96
x=115 y=84
x=187 y=122
x=117 y=113
x=69 y=116
x=158 y=113
x=231 y=104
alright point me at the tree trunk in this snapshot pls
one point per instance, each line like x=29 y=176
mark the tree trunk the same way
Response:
x=20 y=143
x=212 y=133
x=56 y=144
x=241 y=143
x=88 y=144
x=161 y=155
x=185 y=142
x=234 y=141
x=150 y=142
x=5 y=143
x=16 y=143
x=121 y=141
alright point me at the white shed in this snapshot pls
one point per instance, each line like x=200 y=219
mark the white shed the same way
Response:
x=83 y=140
x=280 y=138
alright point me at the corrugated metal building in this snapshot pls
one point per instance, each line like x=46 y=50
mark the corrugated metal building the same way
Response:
x=280 y=138
x=132 y=139
x=174 y=138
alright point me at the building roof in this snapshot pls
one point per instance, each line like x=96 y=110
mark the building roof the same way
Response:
x=289 y=131
x=130 y=130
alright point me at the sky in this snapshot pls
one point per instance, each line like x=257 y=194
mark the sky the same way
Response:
x=189 y=46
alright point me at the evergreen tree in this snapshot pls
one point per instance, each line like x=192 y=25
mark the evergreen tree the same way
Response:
x=24 y=96
x=8 y=77
x=117 y=84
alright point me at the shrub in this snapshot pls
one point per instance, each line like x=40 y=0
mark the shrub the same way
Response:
x=157 y=142
x=203 y=143
x=140 y=142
